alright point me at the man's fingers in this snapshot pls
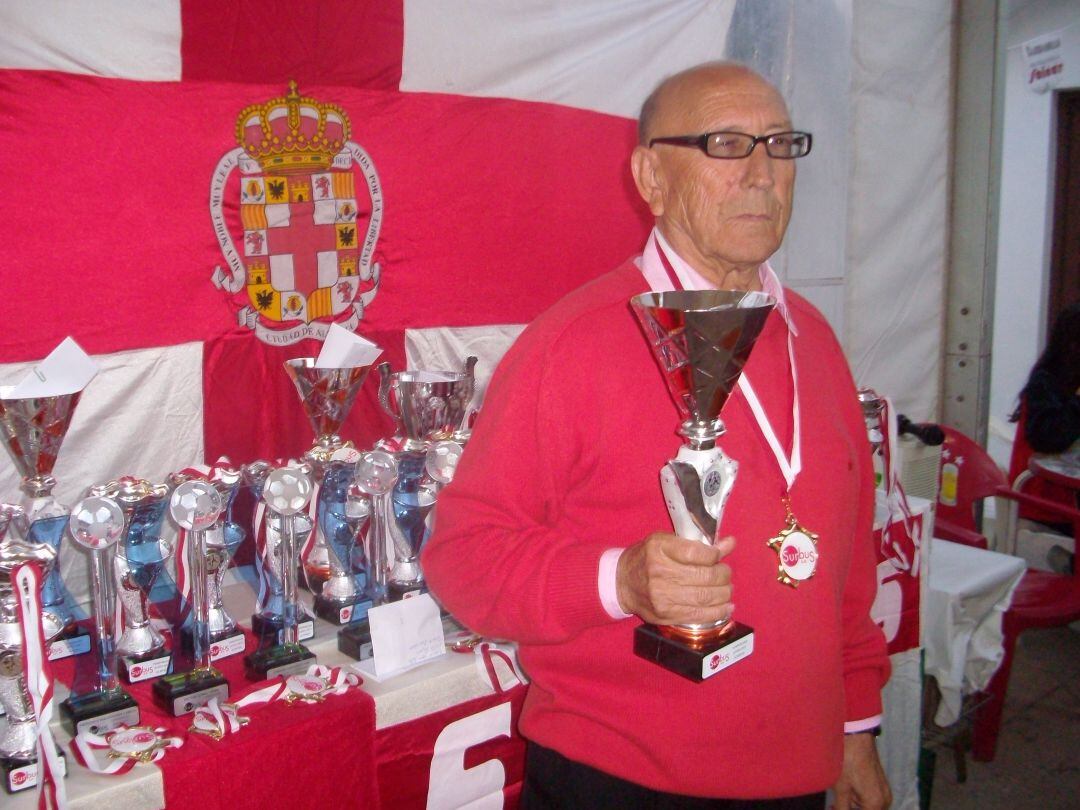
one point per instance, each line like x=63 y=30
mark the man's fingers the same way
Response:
x=689 y=552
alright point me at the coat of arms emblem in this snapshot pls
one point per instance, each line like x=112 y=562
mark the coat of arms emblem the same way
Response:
x=299 y=254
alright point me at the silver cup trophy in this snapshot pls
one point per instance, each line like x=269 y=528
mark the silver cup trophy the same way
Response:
x=140 y=558
x=96 y=524
x=195 y=506
x=429 y=408
x=222 y=539
x=343 y=513
x=33 y=431
x=701 y=339
x=286 y=492
x=327 y=395
x=18 y=738
x=269 y=617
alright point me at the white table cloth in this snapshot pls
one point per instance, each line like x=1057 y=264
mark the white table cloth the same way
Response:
x=969 y=591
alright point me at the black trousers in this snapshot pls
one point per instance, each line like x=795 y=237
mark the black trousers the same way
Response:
x=553 y=782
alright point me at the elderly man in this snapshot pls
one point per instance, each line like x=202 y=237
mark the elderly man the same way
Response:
x=551 y=534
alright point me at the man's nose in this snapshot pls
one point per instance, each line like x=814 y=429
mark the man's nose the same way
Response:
x=758 y=170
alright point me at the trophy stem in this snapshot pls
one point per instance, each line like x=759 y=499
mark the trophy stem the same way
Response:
x=37 y=486
x=200 y=600
x=104 y=599
x=702 y=435
x=288 y=564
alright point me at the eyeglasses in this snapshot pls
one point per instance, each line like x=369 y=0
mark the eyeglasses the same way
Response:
x=737 y=145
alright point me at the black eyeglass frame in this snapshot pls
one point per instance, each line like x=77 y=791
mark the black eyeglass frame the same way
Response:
x=702 y=143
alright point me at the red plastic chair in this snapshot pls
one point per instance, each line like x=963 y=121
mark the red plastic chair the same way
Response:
x=1042 y=599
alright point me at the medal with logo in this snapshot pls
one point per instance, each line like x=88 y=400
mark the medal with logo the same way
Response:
x=796 y=547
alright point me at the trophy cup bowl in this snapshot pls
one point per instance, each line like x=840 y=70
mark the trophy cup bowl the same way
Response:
x=18 y=738
x=96 y=524
x=426 y=405
x=327 y=395
x=701 y=340
x=33 y=429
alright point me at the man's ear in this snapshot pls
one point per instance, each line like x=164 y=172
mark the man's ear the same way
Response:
x=649 y=178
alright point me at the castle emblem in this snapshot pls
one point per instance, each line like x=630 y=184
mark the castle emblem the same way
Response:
x=299 y=252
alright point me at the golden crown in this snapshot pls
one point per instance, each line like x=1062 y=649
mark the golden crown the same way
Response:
x=292 y=133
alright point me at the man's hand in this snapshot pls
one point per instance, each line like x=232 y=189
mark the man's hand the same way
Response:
x=862 y=781
x=666 y=579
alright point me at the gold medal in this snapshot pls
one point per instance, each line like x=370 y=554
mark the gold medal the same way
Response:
x=796 y=549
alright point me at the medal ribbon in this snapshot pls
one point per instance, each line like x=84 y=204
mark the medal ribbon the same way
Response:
x=85 y=744
x=899 y=529
x=790 y=466
x=39 y=684
x=218 y=720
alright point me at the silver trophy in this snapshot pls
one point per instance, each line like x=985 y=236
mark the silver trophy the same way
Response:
x=222 y=539
x=268 y=619
x=195 y=506
x=343 y=513
x=327 y=395
x=140 y=558
x=96 y=524
x=429 y=408
x=33 y=431
x=701 y=340
x=18 y=740
x=286 y=492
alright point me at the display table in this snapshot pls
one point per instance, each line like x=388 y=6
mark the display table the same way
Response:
x=386 y=744
x=969 y=591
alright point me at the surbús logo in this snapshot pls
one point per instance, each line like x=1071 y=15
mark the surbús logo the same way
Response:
x=791 y=556
x=299 y=254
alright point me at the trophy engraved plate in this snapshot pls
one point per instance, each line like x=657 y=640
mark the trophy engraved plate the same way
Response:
x=194 y=700
x=701 y=340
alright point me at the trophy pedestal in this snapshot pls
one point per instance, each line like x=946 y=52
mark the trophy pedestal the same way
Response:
x=281 y=659
x=221 y=646
x=355 y=640
x=338 y=612
x=183 y=692
x=98 y=712
x=20 y=774
x=696 y=659
x=73 y=641
x=135 y=668
x=269 y=630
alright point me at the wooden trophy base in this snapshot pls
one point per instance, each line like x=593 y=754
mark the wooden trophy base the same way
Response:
x=694 y=658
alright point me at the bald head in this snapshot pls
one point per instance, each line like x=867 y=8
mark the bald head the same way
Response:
x=671 y=98
x=722 y=215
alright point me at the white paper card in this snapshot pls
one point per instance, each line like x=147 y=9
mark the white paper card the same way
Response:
x=344 y=349
x=66 y=370
x=405 y=634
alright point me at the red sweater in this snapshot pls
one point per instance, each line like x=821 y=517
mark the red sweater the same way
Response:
x=564 y=464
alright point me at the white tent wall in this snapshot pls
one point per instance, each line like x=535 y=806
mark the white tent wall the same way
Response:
x=898 y=220
x=1027 y=205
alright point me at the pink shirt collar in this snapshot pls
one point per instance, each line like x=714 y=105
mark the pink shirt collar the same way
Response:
x=653 y=270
